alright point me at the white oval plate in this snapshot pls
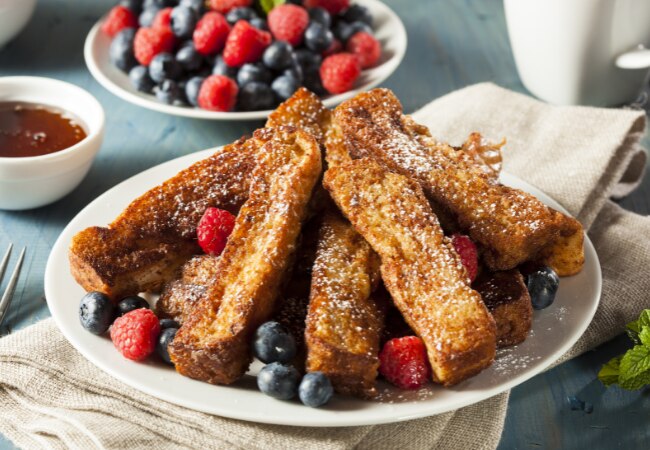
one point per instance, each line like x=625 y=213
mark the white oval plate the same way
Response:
x=388 y=29
x=555 y=330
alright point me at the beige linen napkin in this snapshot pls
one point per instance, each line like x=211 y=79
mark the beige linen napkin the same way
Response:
x=51 y=397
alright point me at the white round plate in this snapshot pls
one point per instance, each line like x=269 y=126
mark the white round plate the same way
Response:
x=387 y=27
x=555 y=330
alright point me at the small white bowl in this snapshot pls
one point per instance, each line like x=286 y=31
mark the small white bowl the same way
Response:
x=33 y=181
x=14 y=15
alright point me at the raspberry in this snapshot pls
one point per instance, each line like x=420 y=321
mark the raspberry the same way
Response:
x=333 y=7
x=403 y=362
x=149 y=42
x=163 y=19
x=210 y=33
x=365 y=47
x=135 y=334
x=223 y=6
x=468 y=253
x=214 y=228
x=218 y=93
x=339 y=72
x=245 y=44
x=288 y=23
x=118 y=19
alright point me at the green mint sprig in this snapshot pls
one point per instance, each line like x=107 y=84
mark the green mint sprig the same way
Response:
x=631 y=370
x=268 y=5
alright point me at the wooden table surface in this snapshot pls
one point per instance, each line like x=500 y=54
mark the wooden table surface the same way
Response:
x=451 y=45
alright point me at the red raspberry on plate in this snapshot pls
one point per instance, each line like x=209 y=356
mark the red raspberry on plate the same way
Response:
x=135 y=333
x=365 y=47
x=217 y=93
x=223 y=6
x=163 y=19
x=339 y=72
x=468 y=253
x=245 y=44
x=333 y=7
x=288 y=23
x=213 y=230
x=149 y=42
x=118 y=19
x=403 y=361
x=210 y=33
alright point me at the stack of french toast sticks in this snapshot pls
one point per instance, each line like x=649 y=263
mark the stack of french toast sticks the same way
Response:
x=341 y=235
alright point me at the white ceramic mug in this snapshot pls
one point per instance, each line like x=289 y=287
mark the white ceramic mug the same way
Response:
x=583 y=52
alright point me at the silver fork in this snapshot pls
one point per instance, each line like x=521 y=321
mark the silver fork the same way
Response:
x=8 y=294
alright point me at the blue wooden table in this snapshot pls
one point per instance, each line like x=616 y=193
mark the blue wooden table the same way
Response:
x=451 y=45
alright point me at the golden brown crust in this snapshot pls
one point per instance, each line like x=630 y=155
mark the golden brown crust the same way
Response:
x=511 y=225
x=506 y=297
x=214 y=343
x=420 y=269
x=566 y=256
x=344 y=322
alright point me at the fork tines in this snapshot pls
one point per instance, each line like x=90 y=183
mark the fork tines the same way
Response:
x=5 y=301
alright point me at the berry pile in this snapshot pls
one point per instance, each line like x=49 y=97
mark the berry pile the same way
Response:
x=225 y=55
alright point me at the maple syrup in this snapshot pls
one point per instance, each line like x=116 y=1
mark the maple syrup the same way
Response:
x=31 y=129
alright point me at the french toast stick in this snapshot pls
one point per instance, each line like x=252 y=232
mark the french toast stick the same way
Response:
x=512 y=226
x=419 y=267
x=344 y=322
x=213 y=345
x=146 y=244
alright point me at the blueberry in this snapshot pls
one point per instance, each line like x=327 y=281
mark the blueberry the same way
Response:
x=147 y=15
x=278 y=381
x=318 y=38
x=141 y=80
x=241 y=13
x=272 y=343
x=278 y=55
x=295 y=71
x=164 y=339
x=358 y=13
x=121 y=50
x=168 y=323
x=320 y=15
x=315 y=389
x=253 y=73
x=284 y=86
x=192 y=88
x=188 y=58
x=169 y=92
x=260 y=24
x=159 y=3
x=307 y=59
x=575 y=403
x=134 y=5
x=221 y=68
x=344 y=31
x=542 y=286
x=128 y=304
x=96 y=312
x=255 y=96
x=164 y=67
x=183 y=21
x=196 y=5
x=313 y=82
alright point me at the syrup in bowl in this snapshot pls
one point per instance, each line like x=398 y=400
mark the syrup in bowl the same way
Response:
x=31 y=129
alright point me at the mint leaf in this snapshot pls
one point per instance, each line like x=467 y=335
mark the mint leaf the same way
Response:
x=635 y=368
x=644 y=336
x=268 y=5
x=608 y=375
x=634 y=328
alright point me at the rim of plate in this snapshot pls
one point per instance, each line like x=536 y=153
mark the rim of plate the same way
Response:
x=390 y=31
x=341 y=416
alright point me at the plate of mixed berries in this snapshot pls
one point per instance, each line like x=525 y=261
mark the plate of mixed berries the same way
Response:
x=238 y=59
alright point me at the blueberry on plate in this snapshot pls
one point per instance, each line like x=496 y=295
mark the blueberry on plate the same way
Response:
x=542 y=285
x=183 y=21
x=241 y=13
x=147 y=15
x=295 y=71
x=344 y=31
x=278 y=55
x=313 y=82
x=168 y=323
x=318 y=38
x=141 y=80
x=278 y=381
x=250 y=73
x=284 y=86
x=196 y=5
x=260 y=24
x=272 y=343
x=221 y=68
x=192 y=88
x=96 y=312
x=315 y=389
x=357 y=13
x=256 y=96
x=164 y=339
x=121 y=50
x=134 y=5
x=169 y=92
x=188 y=58
x=128 y=304
x=307 y=59
x=320 y=15
x=164 y=66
